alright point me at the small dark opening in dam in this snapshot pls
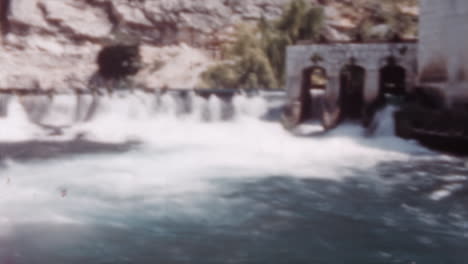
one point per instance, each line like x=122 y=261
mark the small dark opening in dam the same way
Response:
x=352 y=80
x=392 y=78
x=314 y=84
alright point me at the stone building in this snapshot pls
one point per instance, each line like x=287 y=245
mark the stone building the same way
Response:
x=359 y=74
x=334 y=58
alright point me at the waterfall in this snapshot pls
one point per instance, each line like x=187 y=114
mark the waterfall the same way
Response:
x=124 y=116
x=15 y=125
x=119 y=111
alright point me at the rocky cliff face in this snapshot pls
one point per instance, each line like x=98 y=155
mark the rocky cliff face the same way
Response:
x=156 y=21
x=52 y=44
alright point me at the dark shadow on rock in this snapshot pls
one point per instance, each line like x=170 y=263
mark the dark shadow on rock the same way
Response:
x=119 y=61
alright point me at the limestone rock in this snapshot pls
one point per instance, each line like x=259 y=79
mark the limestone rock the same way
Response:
x=75 y=17
x=162 y=64
x=26 y=14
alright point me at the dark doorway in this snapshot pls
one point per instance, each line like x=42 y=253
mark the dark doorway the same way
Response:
x=392 y=83
x=352 y=81
x=392 y=78
x=314 y=84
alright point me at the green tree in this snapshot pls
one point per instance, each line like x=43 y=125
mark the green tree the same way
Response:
x=291 y=22
x=220 y=76
x=312 y=24
x=257 y=55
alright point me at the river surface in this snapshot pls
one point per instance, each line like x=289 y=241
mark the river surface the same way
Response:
x=146 y=179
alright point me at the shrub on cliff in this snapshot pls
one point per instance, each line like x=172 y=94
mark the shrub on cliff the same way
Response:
x=248 y=67
x=301 y=21
x=256 y=58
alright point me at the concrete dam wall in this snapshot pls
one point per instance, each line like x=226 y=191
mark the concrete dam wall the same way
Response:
x=443 y=49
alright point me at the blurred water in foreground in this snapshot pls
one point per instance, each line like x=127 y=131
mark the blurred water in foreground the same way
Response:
x=212 y=181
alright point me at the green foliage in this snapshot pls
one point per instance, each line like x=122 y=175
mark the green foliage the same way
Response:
x=256 y=71
x=312 y=24
x=301 y=21
x=251 y=70
x=275 y=51
x=220 y=76
x=246 y=39
x=292 y=20
x=257 y=56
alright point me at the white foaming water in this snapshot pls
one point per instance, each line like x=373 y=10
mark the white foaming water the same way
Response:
x=15 y=126
x=182 y=151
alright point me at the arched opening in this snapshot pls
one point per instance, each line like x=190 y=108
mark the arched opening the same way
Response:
x=392 y=81
x=314 y=84
x=352 y=80
x=315 y=78
x=392 y=78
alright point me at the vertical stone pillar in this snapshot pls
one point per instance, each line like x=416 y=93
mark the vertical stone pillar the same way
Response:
x=410 y=80
x=293 y=86
x=331 y=111
x=333 y=87
x=371 y=87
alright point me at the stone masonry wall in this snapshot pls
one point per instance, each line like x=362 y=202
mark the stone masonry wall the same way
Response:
x=372 y=57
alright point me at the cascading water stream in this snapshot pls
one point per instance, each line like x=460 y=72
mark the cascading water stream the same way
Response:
x=15 y=124
x=191 y=138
